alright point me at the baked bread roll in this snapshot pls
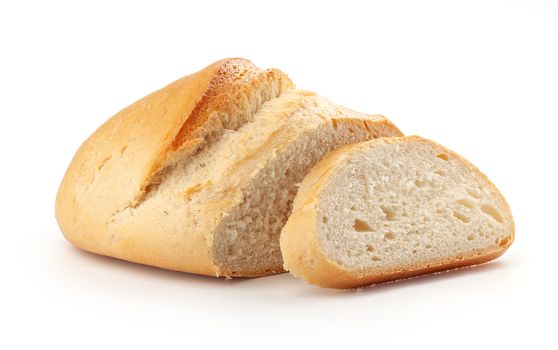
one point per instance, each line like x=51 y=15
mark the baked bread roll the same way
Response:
x=389 y=209
x=200 y=175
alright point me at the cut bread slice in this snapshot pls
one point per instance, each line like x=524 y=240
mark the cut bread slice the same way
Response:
x=389 y=209
x=200 y=176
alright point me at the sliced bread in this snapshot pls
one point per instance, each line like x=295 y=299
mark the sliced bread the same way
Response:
x=200 y=175
x=389 y=209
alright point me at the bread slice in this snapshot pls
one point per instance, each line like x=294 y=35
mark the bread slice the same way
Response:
x=389 y=209
x=200 y=176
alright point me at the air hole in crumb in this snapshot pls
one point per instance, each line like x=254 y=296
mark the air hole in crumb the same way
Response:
x=389 y=213
x=470 y=237
x=414 y=251
x=504 y=242
x=370 y=248
x=419 y=183
x=389 y=236
x=461 y=217
x=351 y=130
x=466 y=203
x=353 y=208
x=492 y=212
x=428 y=246
x=443 y=156
x=376 y=258
x=325 y=220
x=440 y=173
x=474 y=193
x=362 y=226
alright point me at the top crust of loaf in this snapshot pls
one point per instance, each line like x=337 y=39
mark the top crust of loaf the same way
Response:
x=302 y=252
x=115 y=166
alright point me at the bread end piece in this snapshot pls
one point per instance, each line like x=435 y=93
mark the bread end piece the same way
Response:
x=115 y=169
x=305 y=249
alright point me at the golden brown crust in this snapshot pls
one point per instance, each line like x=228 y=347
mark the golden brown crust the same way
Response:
x=114 y=167
x=303 y=256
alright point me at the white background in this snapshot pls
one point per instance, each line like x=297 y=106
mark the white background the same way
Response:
x=480 y=77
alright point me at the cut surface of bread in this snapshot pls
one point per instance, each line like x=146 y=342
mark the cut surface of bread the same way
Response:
x=393 y=208
x=200 y=176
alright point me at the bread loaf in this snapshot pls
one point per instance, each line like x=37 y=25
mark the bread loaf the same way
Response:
x=200 y=175
x=389 y=209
